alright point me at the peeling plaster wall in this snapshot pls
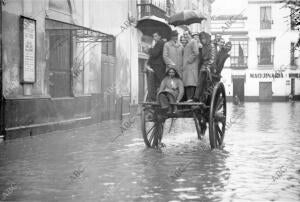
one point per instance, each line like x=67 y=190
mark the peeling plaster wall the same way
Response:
x=110 y=21
x=100 y=18
x=11 y=46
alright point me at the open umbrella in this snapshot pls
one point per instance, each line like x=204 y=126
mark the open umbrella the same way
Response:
x=151 y=24
x=186 y=17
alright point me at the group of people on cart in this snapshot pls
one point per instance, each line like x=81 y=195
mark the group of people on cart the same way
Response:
x=179 y=70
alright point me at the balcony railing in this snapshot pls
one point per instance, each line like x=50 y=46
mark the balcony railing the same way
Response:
x=265 y=60
x=148 y=9
x=239 y=62
x=266 y=24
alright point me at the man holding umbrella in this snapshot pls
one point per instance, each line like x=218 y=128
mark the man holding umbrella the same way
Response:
x=157 y=66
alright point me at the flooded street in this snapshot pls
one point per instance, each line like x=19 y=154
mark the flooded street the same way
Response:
x=260 y=162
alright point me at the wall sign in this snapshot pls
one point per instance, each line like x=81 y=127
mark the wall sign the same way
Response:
x=294 y=75
x=266 y=75
x=28 y=49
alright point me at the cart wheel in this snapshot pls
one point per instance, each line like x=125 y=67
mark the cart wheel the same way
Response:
x=217 y=116
x=152 y=128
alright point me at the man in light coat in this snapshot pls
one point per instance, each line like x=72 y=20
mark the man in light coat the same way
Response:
x=173 y=53
x=190 y=66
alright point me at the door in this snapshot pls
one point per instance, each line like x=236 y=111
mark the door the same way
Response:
x=108 y=82
x=59 y=63
x=141 y=80
x=238 y=88
x=293 y=86
x=265 y=91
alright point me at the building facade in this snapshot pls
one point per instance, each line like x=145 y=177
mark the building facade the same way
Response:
x=66 y=63
x=69 y=63
x=264 y=65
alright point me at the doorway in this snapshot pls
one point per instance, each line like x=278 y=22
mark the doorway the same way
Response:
x=265 y=91
x=293 y=86
x=239 y=88
x=59 y=63
x=141 y=79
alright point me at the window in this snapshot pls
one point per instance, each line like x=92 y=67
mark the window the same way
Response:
x=108 y=46
x=265 y=51
x=265 y=17
x=293 y=58
x=239 y=54
x=61 y=5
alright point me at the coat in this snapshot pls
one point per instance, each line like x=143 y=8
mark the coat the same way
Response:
x=156 y=61
x=190 y=63
x=174 y=86
x=173 y=56
x=208 y=55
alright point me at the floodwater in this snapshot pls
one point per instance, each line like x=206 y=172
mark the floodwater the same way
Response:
x=260 y=162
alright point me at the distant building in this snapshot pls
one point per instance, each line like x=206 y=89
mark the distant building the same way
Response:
x=264 y=65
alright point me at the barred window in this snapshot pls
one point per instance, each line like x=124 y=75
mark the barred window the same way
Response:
x=108 y=46
x=239 y=53
x=293 y=56
x=265 y=51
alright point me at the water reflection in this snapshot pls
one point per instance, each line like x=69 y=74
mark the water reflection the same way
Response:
x=263 y=138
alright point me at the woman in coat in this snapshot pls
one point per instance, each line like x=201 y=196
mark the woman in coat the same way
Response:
x=190 y=66
x=171 y=90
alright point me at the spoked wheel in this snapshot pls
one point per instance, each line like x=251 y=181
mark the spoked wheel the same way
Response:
x=152 y=128
x=217 y=116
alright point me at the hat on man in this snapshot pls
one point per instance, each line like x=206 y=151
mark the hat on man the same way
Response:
x=174 y=33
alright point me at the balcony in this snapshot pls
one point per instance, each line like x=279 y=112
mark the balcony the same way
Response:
x=239 y=62
x=147 y=8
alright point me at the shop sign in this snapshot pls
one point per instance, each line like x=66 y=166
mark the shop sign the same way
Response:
x=266 y=75
x=294 y=75
x=28 y=50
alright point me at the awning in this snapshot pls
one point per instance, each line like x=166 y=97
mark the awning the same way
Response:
x=82 y=34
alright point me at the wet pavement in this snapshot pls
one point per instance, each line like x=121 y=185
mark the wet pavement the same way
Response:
x=260 y=162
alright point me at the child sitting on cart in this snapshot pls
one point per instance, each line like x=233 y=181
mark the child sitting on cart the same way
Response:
x=171 y=90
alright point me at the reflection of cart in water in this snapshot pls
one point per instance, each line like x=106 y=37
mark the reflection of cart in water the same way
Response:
x=211 y=111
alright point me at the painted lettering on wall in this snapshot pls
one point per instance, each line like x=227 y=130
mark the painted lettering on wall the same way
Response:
x=294 y=75
x=266 y=75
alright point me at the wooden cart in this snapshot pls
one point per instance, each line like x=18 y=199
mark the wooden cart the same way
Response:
x=212 y=112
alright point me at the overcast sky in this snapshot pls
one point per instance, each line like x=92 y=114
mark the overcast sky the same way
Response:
x=221 y=7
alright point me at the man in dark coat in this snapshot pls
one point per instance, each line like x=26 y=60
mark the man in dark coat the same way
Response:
x=222 y=57
x=208 y=64
x=157 y=66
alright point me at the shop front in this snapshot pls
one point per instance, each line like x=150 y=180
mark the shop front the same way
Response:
x=270 y=85
x=55 y=72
